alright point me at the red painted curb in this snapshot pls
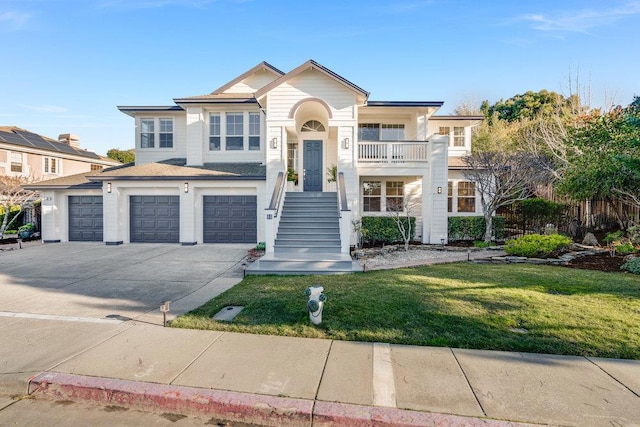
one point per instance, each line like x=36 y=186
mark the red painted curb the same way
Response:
x=224 y=405
x=239 y=407
x=339 y=414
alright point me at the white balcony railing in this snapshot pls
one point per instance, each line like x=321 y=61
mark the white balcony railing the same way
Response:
x=393 y=152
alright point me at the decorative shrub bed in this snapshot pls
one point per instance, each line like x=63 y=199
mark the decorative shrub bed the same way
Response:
x=537 y=245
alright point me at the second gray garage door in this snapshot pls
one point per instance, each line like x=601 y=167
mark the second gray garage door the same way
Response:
x=154 y=219
x=230 y=219
x=85 y=218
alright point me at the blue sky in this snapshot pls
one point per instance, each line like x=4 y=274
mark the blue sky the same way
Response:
x=66 y=65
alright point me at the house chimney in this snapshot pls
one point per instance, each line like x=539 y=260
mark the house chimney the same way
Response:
x=69 y=139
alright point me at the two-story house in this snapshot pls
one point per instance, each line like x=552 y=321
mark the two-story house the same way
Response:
x=213 y=169
x=36 y=157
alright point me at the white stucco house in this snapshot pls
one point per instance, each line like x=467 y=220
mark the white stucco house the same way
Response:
x=213 y=168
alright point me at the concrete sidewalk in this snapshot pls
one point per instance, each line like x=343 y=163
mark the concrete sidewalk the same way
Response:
x=300 y=381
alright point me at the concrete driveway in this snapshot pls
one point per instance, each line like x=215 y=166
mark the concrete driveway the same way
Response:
x=111 y=283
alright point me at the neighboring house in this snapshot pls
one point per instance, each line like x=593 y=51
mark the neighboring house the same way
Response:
x=36 y=157
x=209 y=168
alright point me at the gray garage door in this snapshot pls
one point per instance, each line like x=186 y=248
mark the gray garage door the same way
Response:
x=85 y=218
x=230 y=219
x=154 y=219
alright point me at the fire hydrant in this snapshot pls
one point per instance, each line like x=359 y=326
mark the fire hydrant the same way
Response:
x=315 y=303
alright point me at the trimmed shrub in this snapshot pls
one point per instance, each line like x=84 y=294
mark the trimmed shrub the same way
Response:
x=473 y=227
x=632 y=265
x=612 y=237
x=625 y=249
x=383 y=229
x=536 y=245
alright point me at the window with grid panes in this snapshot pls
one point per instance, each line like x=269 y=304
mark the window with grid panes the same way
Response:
x=372 y=196
x=16 y=162
x=394 y=196
x=466 y=196
x=450 y=196
x=147 y=133
x=254 y=131
x=214 y=131
x=369 y=132
x=458 y=136
x=166 y=133
x=391 y=132
x=234 y=139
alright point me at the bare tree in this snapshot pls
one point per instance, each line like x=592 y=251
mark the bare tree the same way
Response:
x=401 y=214
x=13 y=195
x=503 y=178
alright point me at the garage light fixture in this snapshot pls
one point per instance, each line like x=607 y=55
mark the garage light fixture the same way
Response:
x=274 y=143
x=439 y=190
x=108 y=187
x=345 y=143
x=186 y=187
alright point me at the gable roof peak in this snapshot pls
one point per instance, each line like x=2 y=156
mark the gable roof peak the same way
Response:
x=264 y=65
x=311 y=64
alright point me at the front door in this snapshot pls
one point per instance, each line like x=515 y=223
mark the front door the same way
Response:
x=312 y=166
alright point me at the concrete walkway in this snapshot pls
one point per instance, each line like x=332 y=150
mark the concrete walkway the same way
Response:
x=300 y=381
x=297 y=381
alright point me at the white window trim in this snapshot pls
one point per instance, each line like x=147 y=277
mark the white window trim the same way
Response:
x=383 y=195
x=380 y=123
x=156 y=134
x=454 y=199
x=46 y=165
x=245 y=131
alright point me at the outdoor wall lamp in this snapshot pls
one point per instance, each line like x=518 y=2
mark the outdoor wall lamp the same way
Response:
x=439 y=190
x=186 y=187
x=345 y=143
x=274 y=143
x=108 y=187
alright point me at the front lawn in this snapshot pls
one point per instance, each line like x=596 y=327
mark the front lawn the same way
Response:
x=513 y=307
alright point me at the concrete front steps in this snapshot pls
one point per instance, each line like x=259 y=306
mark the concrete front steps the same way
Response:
x=308 y=238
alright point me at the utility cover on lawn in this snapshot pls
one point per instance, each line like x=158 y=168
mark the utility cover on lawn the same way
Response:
x=228 y=313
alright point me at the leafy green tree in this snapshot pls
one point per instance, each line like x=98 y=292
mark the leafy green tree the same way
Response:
x=530 y=105
x=603 y=157
x=123 y=156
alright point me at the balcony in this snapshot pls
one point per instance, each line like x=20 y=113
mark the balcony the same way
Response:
x=392 y=152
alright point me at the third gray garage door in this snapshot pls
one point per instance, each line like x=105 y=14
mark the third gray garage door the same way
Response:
x=155 y=219
x=230 y=219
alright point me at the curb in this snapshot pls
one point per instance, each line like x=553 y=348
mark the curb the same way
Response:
x=239 y=407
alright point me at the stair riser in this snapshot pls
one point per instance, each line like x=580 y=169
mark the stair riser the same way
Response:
x=307 y=250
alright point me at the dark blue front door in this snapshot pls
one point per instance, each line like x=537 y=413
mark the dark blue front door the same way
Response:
x=312 y=166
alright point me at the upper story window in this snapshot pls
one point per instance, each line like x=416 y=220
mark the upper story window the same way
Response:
x=312 y=126
x=166 y=133
x=239 y=131
x=457 y=138
x=51 y=165
x=16 y=162
x=156 y=130
x=392 y=132
x=254 y=131
x=214 y=131
x=235 y=134
x=147 y=133
x=95 y=167
x=381 y=132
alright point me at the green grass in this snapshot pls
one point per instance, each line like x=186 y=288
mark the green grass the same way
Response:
x=565 y=311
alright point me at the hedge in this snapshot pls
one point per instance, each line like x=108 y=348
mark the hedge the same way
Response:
x=383 y=229
x=473 y=227
x=537 y=245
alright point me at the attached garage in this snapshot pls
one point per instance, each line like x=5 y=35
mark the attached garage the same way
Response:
x=230 y=219
x=154 y=219
x=85 y=218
